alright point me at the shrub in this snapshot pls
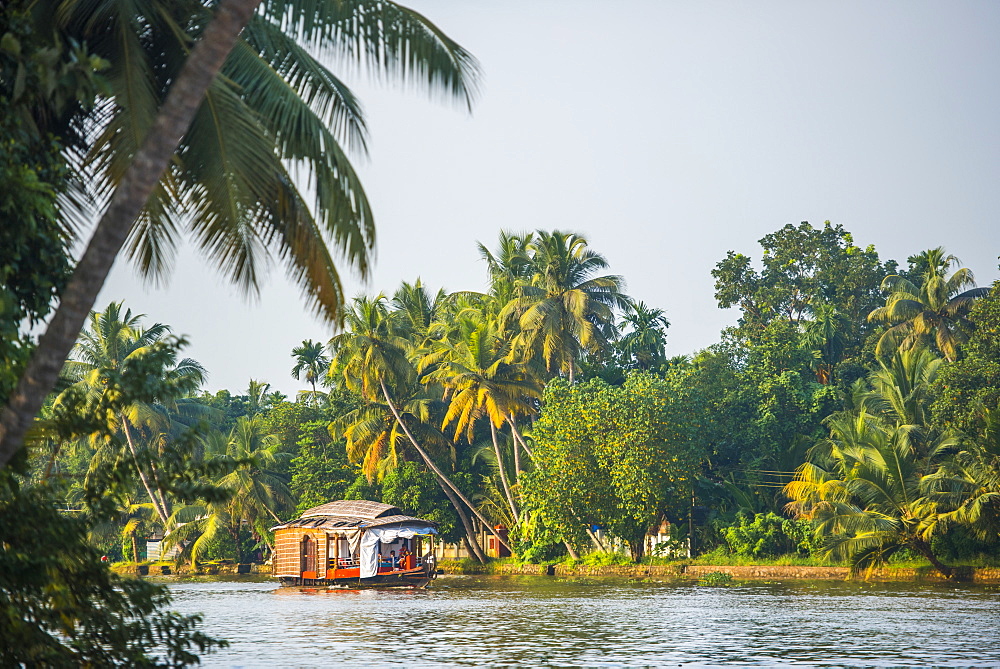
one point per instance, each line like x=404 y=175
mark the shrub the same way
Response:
x=767 y=534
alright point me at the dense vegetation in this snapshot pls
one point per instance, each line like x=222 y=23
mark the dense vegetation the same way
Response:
x=828 y=422
x=116 y=109
x=850 y=414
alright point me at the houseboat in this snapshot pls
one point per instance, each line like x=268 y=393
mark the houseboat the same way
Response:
x=355 y=543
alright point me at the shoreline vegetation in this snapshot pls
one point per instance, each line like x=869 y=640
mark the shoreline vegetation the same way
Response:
x=779 y=569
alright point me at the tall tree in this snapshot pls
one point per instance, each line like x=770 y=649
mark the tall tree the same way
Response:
x=618 y=457
x=481 y=382
x=935 y=313
x=114 y=340
x=803 y=267
x=563 y=310
x=310 y=362
x=371 y=359
x=645 y=341
x=164 y=94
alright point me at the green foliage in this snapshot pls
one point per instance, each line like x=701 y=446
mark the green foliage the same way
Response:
x=230 y=407
x=60 y=606
x=716 y=579
x=804 y=267
x=321 y=472
x=966 y=387
x=415 y=490
x=617 y=457
x=767 y=534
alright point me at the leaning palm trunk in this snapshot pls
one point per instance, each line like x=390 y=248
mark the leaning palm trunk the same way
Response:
x=130 y=197
x=471 y=541
x=517 y=458
x=924 y=548
x=437 y=470
x=158 y=503
x=517 y=436
x=503 y=472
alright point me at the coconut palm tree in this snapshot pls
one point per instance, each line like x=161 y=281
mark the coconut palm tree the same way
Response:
x=114 y=341
x=370 y=358
x=563 y=310
x=509 y=264
x=257 y=492
x=865 y=486
x=310 y=362
x=166 y=156
x=646 y=340
x=416 y=311
x=480 y=382
x=935 y=313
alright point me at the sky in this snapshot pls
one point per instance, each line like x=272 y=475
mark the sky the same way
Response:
x=666 y=133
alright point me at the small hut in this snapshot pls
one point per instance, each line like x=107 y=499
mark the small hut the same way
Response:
x=354 y=541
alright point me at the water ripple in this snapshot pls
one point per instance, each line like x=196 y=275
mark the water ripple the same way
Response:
x=528 y=621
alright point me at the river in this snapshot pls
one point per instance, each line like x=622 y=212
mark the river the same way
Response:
x=542 y=621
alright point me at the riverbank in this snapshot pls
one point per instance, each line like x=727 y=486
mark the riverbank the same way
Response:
x=743 y=572
x=661 y=571
x=203 y=569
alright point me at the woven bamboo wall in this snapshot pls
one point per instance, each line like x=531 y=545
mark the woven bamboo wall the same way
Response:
x=287 y=551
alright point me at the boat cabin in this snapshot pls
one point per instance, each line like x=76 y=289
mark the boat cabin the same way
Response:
x=354 y=541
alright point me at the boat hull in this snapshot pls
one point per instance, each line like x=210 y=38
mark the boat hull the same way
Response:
x=419 y=577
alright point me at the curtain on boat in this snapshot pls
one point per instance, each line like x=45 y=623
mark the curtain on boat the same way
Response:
x=373 y=535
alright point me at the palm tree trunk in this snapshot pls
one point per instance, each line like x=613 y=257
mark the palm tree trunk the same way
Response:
x=135 y=549
x=160 y=511
x=518 y=437
x=434 y=468
x=157 y=479
x=471 y=540
x=503 y=472
x=517 y=457
x=924 y=549
x=148 y=165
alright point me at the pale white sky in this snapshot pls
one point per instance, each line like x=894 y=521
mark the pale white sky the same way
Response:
x=667 y=133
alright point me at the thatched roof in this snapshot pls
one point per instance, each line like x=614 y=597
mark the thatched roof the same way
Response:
x=353 y=508
x=352 y=514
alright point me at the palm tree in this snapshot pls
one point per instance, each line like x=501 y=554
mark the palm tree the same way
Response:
x=256 y=396
x=563 y=310
x=480 y=382
x=370 y=358
x=417 y=308
x=310 y=362
x=825 y=332
x=646 y=341
x=966 y=490
x=114 y=341
x=509 y=264
x=271 y=110
x=257 y=492
x=935 y=313
x=864 y=487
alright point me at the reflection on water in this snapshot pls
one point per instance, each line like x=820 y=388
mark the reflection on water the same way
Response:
x=539 y=621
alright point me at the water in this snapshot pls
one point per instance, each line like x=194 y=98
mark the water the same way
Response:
x=540 y=621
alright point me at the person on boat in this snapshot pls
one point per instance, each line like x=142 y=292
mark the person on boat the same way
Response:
x=403 y=554
x=392 y=559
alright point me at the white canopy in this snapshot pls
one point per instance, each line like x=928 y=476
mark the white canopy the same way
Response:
x=373 y=535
